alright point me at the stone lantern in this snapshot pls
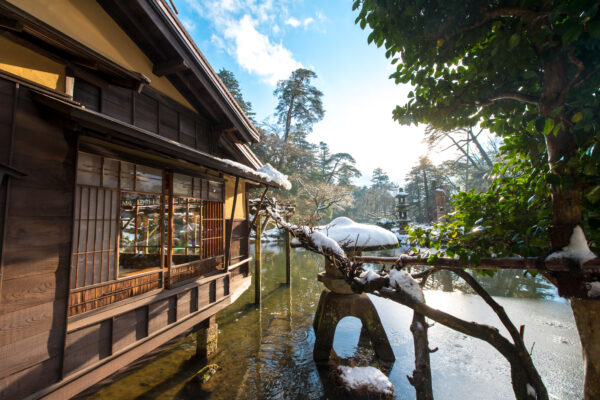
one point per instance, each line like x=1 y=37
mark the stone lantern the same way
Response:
x=338 y=300
x=402 y=209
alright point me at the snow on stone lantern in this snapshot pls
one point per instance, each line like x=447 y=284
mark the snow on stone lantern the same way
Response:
x=402 y=209
x=338 y=300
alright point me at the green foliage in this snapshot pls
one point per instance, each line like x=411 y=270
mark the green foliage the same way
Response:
x=509 y=219
x=527 y=71
x=233 y=85
x=299 y=103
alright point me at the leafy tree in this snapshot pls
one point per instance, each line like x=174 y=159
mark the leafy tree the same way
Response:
x=523 y=70
x=299 y=103
x=230 y=81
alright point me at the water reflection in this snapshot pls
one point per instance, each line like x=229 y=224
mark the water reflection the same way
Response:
x=266 y=352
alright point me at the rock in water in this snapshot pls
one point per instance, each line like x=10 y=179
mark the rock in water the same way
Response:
x=205 y=374
x=364 y=383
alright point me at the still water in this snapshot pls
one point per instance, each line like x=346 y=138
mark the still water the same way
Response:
x=266 y=352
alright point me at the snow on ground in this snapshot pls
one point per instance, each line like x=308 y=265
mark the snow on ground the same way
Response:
x=368 y=379
x=577 y=249
x=402 y=279
x=349 y=234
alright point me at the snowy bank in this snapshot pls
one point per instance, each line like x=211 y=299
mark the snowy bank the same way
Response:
x=350 y=234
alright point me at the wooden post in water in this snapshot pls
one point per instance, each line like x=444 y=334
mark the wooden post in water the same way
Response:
x=257 y=261
x=288 y=276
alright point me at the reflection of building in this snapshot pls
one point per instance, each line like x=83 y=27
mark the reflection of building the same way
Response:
x=402 y=209
x=124 y=217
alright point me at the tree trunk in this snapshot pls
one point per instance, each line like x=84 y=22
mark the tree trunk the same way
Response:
x=566 y=205
x=587 y=318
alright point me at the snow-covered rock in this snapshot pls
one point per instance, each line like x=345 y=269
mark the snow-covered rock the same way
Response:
x=367 y=380
x=350 y=234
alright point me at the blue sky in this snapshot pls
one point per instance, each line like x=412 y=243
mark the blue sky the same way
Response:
x=263 y=41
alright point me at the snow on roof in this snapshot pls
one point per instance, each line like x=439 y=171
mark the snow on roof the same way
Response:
x=266 y=172
x=275 y=176
x=350 y=234
x=323 y=243
x=577 y=249
x=366 y=378
x=402 y=279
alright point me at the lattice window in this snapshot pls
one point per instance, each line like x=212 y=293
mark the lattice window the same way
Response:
x=123 y=224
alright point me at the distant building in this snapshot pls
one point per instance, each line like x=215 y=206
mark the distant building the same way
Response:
x=125 y=174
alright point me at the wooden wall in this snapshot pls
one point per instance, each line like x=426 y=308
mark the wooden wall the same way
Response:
x=149 y=111
x=37 y=244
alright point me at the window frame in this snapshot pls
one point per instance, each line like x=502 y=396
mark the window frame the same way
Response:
x=166 y=235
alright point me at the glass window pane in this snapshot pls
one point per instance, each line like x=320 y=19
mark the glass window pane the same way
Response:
x=111 y=173
x=139 y=245
x=89 y=169
x=182 y=185
x=148 y=179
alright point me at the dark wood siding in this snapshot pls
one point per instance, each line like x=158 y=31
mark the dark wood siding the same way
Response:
x=147 y=110
x=36 y=247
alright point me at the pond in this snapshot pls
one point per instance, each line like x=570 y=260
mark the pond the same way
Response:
x=266 y=352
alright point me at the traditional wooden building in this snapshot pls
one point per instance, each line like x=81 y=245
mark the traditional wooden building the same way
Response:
x=123 y=204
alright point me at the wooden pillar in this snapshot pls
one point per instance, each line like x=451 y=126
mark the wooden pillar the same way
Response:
x=207 y=338
x=288 y=275
x=257 y=260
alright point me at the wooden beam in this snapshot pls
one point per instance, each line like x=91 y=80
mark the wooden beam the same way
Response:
x=169 y=67
x=257 y=266
x=529 y=263
x=230 y=228
x=288 y=249
x=262 y=198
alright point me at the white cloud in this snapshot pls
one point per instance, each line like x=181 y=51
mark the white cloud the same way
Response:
x=255 y=52
x=292 y=22
x=188 y=23
x=241 y=28
x=307 y=22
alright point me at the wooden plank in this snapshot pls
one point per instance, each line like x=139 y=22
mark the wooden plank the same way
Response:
x=129 y=328
x=187 y=130
x=28 y=352
x=28 y=381
x=77 y=382
x=169 y=67
x=40 y=202
x=30 y=231
x=87 y=346
x=116 y=102
x=184 y=304
x=23 y=262
x=168 y=122
x=146 y=116
x=87 y=94
x=31 y=321
x=158 y=316
x=24 y=292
